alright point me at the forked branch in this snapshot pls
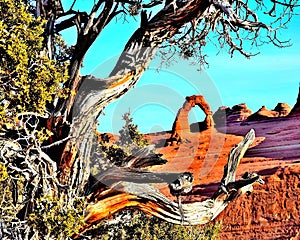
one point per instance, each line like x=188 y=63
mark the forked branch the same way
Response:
x=124 y=194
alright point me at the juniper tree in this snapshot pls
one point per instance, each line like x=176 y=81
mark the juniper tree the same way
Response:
x=49 y=110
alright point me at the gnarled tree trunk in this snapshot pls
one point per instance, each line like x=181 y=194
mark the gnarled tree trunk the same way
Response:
x=94 y=94
x=73 y=119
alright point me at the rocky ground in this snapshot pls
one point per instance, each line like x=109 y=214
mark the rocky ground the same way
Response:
x=272 y=210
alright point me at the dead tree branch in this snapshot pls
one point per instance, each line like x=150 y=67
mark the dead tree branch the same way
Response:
x=147 y=198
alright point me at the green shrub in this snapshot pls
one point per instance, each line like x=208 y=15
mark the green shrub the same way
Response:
x=136 y=225
x=52 y=217
x=3 y=173
x=12 y=199
x=130 y=135
x=28 y=78
x=130 y=141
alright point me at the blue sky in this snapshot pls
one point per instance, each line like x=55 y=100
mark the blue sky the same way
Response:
x=271 y=77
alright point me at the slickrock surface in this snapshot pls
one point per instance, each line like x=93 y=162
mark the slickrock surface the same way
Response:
x=272 y=210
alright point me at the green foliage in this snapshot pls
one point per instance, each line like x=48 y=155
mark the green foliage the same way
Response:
x=51 y=217
x=114 y=153
x=3 y=173
x=131 y=141
x=130 y=135
x=42 y=135
x=28 y=78
x=12 y=201
x=137 y=225
x=7 y=207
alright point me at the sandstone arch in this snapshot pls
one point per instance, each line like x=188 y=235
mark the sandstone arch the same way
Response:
x=181 y=122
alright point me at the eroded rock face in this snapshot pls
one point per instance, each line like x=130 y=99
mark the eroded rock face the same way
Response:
x=276 y=213
x=241 y=113
x=237 y=113
x=296 y=109
x=263 y=114
x=283 y=109
x=272 y=210
x=181 y=122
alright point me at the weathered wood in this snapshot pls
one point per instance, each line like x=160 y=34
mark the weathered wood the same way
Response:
x=145 y=157
x=94 y=94
x=90 y=95
x=147 y=198
x=235 y=156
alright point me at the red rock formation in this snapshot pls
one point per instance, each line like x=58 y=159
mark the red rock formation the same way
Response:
x=270 y=212
x=263 y=114
x=181 y=122
x=283 y=109
x=220 y=116
x=237 y=113
x=296 y=109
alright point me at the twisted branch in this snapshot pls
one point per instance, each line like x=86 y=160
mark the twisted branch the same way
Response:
x=127 y=193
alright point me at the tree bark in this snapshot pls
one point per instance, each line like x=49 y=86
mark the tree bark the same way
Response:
x=89 y=95
x=94 y=94
x=124 y=194
x=73 y=120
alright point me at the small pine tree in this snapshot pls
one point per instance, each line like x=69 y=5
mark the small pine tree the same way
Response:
x=130 y=141
x=130 y=135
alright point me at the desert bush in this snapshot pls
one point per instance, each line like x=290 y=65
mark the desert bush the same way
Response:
x=29 y=80
x=130 y=141
x=12 y=194
x=54 y=219
x=134 y=225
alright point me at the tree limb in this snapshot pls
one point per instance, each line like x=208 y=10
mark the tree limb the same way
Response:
x=147 y=198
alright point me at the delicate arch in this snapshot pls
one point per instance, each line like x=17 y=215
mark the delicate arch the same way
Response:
x=181 y=122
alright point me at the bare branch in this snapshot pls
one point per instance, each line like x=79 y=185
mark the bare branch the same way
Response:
x=55 y=143
x=150 y=200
